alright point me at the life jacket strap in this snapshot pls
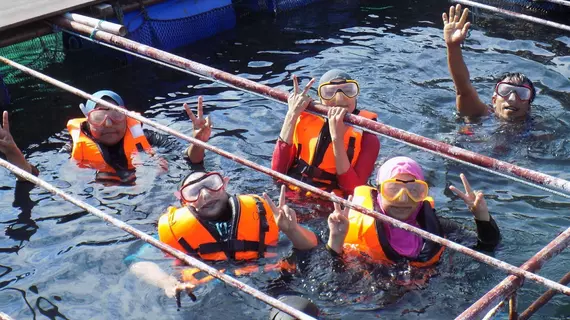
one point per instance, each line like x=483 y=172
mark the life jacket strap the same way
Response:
x=263 y=227
x=186 y=246
x=304 y=169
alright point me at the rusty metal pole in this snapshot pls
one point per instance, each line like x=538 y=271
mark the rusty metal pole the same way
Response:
x=279 y=95
x=493 y=312
x=513 y=315
x=514 y=14
x=542 y=300
x=512 y=283
x=384 y=218
x=191 y=261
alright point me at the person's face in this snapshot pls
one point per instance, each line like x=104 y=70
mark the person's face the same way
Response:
x=339 y=99
x=510 y=105
x=205 y=194
x=402 y=207
x=107 y=126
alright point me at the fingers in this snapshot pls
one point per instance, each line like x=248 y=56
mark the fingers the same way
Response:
x=342 y=113
x=271 y=205
x=336 y=113
x=337 y=207
x=190 y=113
x=295 y=85
x=209 y=122
x=451 y=14
x=290 y=213
x=335 y=204
x=458 y=193
x=479 y=197
x=346 y=209
x=465 y=28
x=308 y=86
x=464 y=17
x=466 y=184
x=282 y=196
x=200 y=107
x=5 y=123
x=457 y=13
x=444 y=18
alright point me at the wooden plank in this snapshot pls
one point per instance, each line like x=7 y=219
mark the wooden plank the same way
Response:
x=14 y=13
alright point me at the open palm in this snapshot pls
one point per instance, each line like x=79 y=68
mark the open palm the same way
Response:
x=455 y=26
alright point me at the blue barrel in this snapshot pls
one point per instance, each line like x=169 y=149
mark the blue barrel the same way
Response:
x=172 y=24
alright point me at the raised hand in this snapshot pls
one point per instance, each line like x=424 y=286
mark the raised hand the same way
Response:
x=298 y=101
x=337 y=127
x=7 y=144
x=202 y=127
x=475 y=200
x=455 y=28
x=338 y=226
x=338 y=220
x=285 y=217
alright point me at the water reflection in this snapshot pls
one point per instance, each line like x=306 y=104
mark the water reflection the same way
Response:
x=397 y=53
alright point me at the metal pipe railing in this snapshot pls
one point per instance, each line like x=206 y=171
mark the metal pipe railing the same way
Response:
x=514 y=14
x=542 y=300
x=275 y=94
x=97 y=24
x=512 y=283
x=387 y=219
x=156 y=243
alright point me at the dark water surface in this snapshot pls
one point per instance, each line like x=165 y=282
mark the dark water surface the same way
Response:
x=56 y=261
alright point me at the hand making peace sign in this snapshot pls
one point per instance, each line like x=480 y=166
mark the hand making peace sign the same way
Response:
x=202 y=126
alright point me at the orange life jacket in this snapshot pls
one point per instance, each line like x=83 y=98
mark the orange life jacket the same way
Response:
x=89 y=154
x=366 y=235
x=253 y=233
x=314 y=161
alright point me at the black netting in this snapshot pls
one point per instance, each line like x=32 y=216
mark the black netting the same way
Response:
x=170 y=34
x=541 y=9
x=287 y=5
x=37 y=54
x=4 y=95
x=274 y=6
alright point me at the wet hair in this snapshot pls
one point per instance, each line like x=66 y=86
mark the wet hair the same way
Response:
x=519 y=78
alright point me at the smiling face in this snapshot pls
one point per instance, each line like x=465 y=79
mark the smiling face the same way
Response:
x=402 y=207
x=510 y=105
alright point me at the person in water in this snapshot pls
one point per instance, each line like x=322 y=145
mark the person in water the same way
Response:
x=402 y=194
x=213 y=225
x=513 y=94
x=107 y=140
x=325 y=152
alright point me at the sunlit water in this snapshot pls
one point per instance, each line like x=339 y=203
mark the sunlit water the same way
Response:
x=65 y=263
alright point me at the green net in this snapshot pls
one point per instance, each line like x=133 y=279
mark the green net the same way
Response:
x=37 y=54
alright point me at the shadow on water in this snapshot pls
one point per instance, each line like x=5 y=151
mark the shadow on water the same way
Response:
x=396 y=51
